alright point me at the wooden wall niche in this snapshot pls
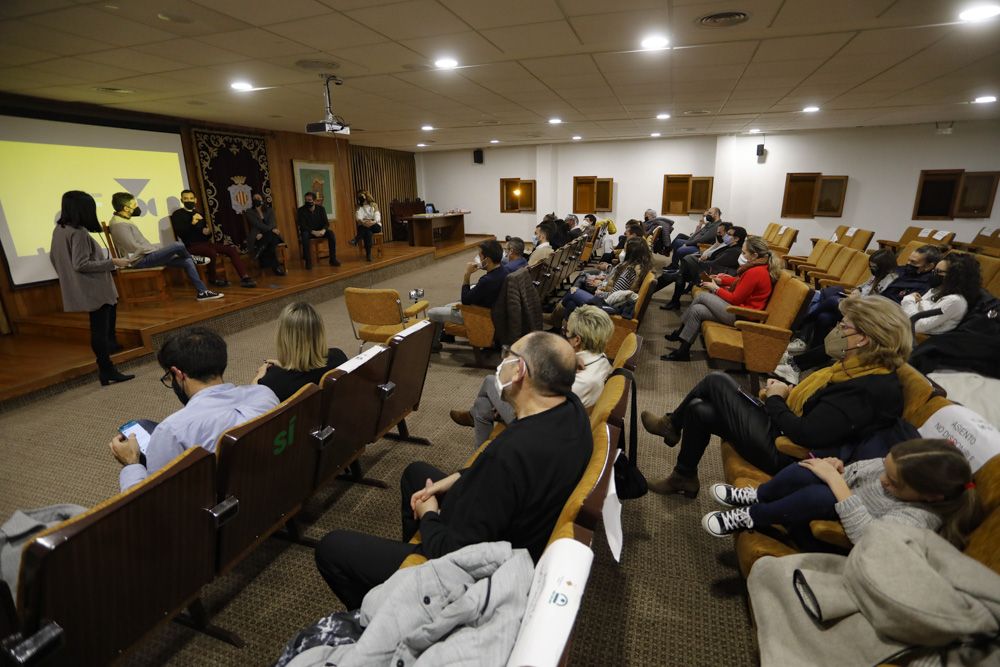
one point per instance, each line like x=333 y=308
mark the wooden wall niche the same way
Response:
x=592 y=194
x=811 y=194
x=701 y=194
x=517 y=195
x=684 y=193
x=944 y=194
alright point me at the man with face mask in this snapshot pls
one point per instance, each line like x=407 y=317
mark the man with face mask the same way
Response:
x=191 y=228
x=513 y=491
x=313 y=224
x=484 y=293
x=704 y=232
x=915 y=276
x=264 y=237
x=194 y=361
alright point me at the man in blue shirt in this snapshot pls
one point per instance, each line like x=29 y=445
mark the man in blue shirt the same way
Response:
x=194 y=362
x=484 y=293
x=514 y=258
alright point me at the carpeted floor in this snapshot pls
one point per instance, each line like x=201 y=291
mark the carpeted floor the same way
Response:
x=675 y=599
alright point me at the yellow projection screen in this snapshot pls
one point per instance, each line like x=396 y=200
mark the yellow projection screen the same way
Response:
x=40 y=160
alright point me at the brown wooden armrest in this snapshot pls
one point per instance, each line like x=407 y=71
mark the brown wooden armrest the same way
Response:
x=832 y=282
x=882 y=243
x=795 y=259
x=786 y=446
x=417 y=308
x=747 y=313
x=702 y=247
x=763 y=329
x=831 y=532
x=780 y=251
x=763 y=345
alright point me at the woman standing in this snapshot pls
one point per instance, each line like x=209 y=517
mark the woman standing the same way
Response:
x=85 y=277
x=369 y=221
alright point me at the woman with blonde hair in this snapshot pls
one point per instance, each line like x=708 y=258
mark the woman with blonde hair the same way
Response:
x=837 y=408
x=303 y=356
x=759 y=269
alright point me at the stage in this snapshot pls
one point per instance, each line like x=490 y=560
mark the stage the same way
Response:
x=52 y=349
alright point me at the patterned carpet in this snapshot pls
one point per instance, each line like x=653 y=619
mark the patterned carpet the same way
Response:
x=675 y=599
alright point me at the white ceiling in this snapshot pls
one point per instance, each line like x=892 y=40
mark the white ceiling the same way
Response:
x=865 y=62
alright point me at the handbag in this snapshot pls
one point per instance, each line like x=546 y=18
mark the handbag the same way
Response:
x=630 y=483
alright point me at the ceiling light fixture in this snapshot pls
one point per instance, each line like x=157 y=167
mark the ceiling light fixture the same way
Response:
x=754 y=131
x=985 y=99
x=655 y=134
x=978 y=13
x=421 y=145
x=555 y=121
x=446 y=63
x=577 y=137
x=494 y=141
x=654 y=43
x=426 y=128
x=662 y=116
x=810 y=109
x=242 y=86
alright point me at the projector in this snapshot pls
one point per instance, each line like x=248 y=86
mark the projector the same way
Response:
x=328 y=127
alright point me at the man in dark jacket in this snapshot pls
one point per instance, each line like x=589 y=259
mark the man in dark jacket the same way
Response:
x=514 y=490
x=915 y=275
x=704 y=232
x=723 y=257
x=313 y=224
x=263 y=237
x=484 y=293
x=191 y=229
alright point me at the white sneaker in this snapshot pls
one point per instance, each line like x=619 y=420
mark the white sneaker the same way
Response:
x=198 y=259
x=787 y=372
x=209 y=295
x=796 y=346
x=734 y=496
x=727 y=522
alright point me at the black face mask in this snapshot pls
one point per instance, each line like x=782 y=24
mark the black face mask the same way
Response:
x=189 y=205
x=136 y=212
x=709 y=218
x=258 y=203
x=936 y=280
x=179 y=391
x=310 y=204
x=361 y=201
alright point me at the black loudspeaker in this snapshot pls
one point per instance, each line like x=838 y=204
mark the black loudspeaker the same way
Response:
x=477 y=156
x=760 y=149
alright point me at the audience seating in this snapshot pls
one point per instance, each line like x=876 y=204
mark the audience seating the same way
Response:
x=268 y=465
x=784 y=239
x=824 y=262
x=411 y=355
x=792 y=261
x=770 y=232
x=623 y=327
x=627 y=355
x=756 y=342
x=377 y=314
x=836 y=268
x=854 y=274
x=984 y=243
x=989 y=267
x=923 y=235
x=833 y=237
x=138 y=286
x=854 y=238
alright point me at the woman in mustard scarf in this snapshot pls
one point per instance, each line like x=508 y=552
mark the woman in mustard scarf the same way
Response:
x=855 y=396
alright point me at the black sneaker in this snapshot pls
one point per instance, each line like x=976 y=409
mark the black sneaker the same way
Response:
x=220 y=283
x=334 y=262
x=209 y=295
x=735 y=496
x=721 y=524
x=248 y=282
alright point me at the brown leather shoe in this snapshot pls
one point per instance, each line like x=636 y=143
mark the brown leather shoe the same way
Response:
x=661 y=426
x=462 y=417
x=676 y=484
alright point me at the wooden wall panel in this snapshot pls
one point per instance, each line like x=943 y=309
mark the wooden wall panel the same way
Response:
x=387 y=174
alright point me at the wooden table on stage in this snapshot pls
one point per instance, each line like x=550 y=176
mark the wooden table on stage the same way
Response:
x=423 y=226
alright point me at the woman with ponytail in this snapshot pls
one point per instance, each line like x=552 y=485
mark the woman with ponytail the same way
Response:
x=750 y=288
x=923 y=483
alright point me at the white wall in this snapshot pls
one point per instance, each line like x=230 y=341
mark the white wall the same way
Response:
x=883 y=165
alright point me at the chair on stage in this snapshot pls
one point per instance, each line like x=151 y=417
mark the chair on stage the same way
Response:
x=137 y=286
x=378 y=241
x=411 y=355
x=352 y=404
x=280 y=250
x=268 y=465
x=377 y=314
x=102 y=580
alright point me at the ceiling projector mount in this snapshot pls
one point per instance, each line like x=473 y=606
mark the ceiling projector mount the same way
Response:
x=332 y=124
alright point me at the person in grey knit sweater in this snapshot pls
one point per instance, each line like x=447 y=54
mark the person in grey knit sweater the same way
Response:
x=923 y=483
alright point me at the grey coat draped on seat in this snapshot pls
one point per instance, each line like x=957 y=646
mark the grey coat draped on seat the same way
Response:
x=518 y=309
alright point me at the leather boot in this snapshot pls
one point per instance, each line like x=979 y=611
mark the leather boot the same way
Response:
x=676 y=484
x=661 y=426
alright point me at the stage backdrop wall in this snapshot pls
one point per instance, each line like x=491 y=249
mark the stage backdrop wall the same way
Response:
x=386 y=174
x=883 y=164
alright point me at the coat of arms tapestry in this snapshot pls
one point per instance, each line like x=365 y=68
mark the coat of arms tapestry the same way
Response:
x=233 y=167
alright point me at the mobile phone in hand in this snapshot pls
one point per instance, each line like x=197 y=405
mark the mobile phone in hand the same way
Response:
x=135 y=428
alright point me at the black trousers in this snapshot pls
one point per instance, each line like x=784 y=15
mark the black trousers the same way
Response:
x=365 y=236
x=305 y=237
x=353 y=563
x=266 y=249
x=716 y=407
x=102 y=334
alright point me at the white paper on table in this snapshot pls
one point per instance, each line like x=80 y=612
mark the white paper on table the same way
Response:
x=978 y=439
x=612 y=515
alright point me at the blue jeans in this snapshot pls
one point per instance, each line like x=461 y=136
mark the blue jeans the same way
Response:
x=682 y=252
x=793 y=498
x=572 y=300
x=173 y=254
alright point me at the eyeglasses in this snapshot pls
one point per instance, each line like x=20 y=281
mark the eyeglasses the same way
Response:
x=167 y=380
x=940 y=272
x=844 y=327
x=506 y=353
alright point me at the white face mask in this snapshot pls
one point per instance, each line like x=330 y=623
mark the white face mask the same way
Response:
x=504 y=258
x=743 y=259
x=478 y=261
x=500 y=384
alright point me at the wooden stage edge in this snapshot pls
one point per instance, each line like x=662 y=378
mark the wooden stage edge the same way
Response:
x=51 y=352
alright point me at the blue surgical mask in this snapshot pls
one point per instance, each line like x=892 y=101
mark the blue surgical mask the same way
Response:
x=727 y=239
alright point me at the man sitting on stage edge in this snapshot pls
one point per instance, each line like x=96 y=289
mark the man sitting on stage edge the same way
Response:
x=513 y=491
x=131 y=244
x=190 y=228
x=194 y=361
x=313 y=224
x=484 y=293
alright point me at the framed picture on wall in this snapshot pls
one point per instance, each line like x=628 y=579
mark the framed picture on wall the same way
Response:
x=317 y=178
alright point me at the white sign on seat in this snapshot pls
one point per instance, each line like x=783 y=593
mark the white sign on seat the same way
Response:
x=978 y=439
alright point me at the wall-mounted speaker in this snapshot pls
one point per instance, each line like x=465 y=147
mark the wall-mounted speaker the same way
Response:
x=760 y=150
x=477 y=156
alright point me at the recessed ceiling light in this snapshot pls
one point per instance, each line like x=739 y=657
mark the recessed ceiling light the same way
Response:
x=755 y=130
x=985 y=99
x=654 y=134
x=662 y=116
x=173 y=18
x=112 y=7
x=555 y=121
x=494 y=141
x=654 y=42
x=242 y=86
x=421 y=145
x=426 y=128
x=723 y=19
x=577 y=137
x=979 y=13
x=446 y=63
x=114 y=91
x=810 y=109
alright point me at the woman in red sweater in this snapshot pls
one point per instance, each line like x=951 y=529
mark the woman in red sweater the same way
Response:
x=750 y=288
